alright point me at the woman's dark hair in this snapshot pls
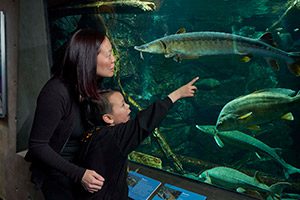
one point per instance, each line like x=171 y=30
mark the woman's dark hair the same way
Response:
x=79 y=65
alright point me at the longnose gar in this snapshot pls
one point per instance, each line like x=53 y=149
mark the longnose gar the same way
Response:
x=260 y=107
x=196 y=44
x=244 y=141
x=233 y=179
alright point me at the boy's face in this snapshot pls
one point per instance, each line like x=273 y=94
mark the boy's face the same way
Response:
x=120 y=109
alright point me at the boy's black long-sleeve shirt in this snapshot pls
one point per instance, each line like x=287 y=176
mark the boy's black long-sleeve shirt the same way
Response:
x=107 y=150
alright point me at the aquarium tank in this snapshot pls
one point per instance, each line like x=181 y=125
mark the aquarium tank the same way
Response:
x=243 y=123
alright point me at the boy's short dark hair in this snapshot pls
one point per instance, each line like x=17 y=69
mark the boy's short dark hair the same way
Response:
x=94 y=109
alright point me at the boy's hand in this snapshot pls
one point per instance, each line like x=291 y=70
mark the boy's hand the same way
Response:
x=187 y=90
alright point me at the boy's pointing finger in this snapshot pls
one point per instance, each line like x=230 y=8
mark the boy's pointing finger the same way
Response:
x=193 y=81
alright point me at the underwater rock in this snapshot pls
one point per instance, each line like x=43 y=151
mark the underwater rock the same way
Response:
x=146 y=159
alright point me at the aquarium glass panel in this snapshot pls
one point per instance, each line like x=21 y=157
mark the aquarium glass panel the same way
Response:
x=243 y=123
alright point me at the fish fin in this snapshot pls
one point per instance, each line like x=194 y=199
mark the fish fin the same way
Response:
x=181 y=30
x=288 y=116
x=257 y=178
x=294 y=54
x=218 y=141
x=208 y=179
x=257 y=155
x=278 y=187
x=177 y=58
x=245 y=115
x=180 y=57
x=189 y=57
x=278 y=151
x=284 y=91
x=141 y=55
x=246 y=58
x=268 y=38
x=254 y=127
x=240 y=190
x=169 y=55
x=273 y=63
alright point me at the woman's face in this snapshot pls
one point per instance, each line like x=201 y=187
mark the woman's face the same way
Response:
x=105 y=59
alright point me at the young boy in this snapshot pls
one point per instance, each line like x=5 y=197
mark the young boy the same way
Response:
x=105 y=149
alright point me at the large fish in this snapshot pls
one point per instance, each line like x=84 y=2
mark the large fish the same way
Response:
x=247 y=142
x=196 y=44
x=235 y=180
x=257 y=108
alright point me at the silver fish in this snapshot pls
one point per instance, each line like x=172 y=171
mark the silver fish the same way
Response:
x=196 y=44
x=257 y=108
x=233 y=179
x=247 y=142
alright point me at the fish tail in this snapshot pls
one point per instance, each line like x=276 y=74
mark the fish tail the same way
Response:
x=294 y=66
x=296 y=100
x=290 y=170
x=277 y=189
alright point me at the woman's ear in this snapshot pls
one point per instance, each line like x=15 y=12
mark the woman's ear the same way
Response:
x=107 y=118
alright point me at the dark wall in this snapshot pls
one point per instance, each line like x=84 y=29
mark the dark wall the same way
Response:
x=27 y=70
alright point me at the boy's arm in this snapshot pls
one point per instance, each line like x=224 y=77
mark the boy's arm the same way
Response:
x=132 y=133
x=187 y=90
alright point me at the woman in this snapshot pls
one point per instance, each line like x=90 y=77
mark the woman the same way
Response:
x=57 y=127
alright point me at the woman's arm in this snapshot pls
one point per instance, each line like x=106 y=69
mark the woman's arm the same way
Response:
x=53 y=106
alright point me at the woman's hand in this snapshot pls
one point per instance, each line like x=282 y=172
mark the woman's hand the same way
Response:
x=91 y=181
